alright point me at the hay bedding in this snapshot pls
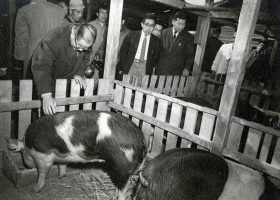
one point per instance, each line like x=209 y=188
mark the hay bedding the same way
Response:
x=89 y=184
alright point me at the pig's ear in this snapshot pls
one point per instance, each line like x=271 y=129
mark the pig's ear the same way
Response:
x=144 y=181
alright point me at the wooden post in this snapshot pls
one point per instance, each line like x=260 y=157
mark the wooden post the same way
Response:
x=236 y=69
x=88 y=16
x=12 y=16
x=112 y=46
x=202 y=30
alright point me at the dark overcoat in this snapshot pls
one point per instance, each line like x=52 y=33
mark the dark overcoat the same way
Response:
x=177 y=53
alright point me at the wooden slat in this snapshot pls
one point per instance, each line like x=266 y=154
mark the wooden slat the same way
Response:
x=177 y=131
x=174 y=88
x=189 y=125
x=234 y=136
x=24 y=116
x=170 y=99
x=119 y=92
x=167 y=87
x=252 y=143
x=74 y=92
x=89 y=92
x=276 y=156
x=137 y=105
x=148 y=111
x=188 y=86
x=60 y=92
x=126 y=78
x=265 y=147
x=105 y=86
x=207 y=126
x=161 y=83
x=175 y=119
x=153 y=82
x=145 y=81
x=127 y=99
x=157 y=145
x=5 y=118
x=181 y=86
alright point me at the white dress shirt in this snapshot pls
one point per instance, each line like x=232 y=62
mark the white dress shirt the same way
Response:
x=138 y=52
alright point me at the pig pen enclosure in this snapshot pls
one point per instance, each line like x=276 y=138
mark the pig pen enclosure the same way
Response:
x=166 y=122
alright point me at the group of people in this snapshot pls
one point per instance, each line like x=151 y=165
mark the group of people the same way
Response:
x=153 y=50
x=53 y=42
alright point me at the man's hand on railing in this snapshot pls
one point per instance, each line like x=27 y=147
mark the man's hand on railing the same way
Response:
x=81 y=81
x=49 y=104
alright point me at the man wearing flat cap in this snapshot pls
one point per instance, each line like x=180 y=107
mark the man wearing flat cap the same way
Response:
x=75 y=12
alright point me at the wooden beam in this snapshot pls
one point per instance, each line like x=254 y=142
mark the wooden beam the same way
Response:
x=12 y=17
x=173 y=3
x=113 y=36
x=88 y=17
x=202 y=30
x=236 y=69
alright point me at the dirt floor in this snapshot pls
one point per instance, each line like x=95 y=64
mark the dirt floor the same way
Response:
x=79 y=184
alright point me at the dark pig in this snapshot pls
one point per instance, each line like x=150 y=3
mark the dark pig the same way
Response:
x=192 y=174
x=84 y=136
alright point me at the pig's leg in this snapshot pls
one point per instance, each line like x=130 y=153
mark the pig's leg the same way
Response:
x=61 y=171
x=44 y=163
x=28 y=159
x=123 y=191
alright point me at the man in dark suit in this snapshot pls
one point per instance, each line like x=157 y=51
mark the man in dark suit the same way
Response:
x=140 y=50
x=178 y=48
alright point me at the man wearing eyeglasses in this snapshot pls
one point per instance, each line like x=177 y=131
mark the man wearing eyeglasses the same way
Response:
x=100 y=23
x=140 y=50
x=62 y=54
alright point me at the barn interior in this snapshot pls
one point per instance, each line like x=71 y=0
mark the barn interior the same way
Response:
x=202 y=15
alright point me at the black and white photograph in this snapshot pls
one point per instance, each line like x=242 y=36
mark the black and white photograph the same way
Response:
x=139 y=100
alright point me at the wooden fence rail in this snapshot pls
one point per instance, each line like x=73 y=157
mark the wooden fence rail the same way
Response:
x=166 y=122
x=171 y=123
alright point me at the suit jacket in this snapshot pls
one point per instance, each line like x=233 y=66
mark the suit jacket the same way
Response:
x=55 y=58
x=129 y=48
x=33 y=21
x=177 y=53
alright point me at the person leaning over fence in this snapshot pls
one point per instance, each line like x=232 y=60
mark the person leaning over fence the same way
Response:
x=62 y=54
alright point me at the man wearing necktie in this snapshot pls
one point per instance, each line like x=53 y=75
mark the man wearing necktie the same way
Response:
x=140 y=50
x=178 y=49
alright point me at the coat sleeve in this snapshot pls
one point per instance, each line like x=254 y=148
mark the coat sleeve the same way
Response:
x=21 y=36
x=42 y=62
x=124 y=51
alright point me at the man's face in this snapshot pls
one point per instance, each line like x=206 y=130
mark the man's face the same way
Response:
x=179 y=24
x=157 y=30
x=148 y=26
x=102 y=15
x=77 y=14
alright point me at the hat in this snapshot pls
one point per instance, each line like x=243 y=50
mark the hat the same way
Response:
x=76 y=4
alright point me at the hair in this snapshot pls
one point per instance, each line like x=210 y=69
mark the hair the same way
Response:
x=149 y=16
x=159 y=22
x=85 y=31
x=103 y=6
x=180 y=15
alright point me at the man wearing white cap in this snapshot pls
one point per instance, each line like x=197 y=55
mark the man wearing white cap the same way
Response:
x=75 y=12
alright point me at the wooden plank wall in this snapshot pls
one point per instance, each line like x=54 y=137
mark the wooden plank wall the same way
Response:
x=171 y=123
